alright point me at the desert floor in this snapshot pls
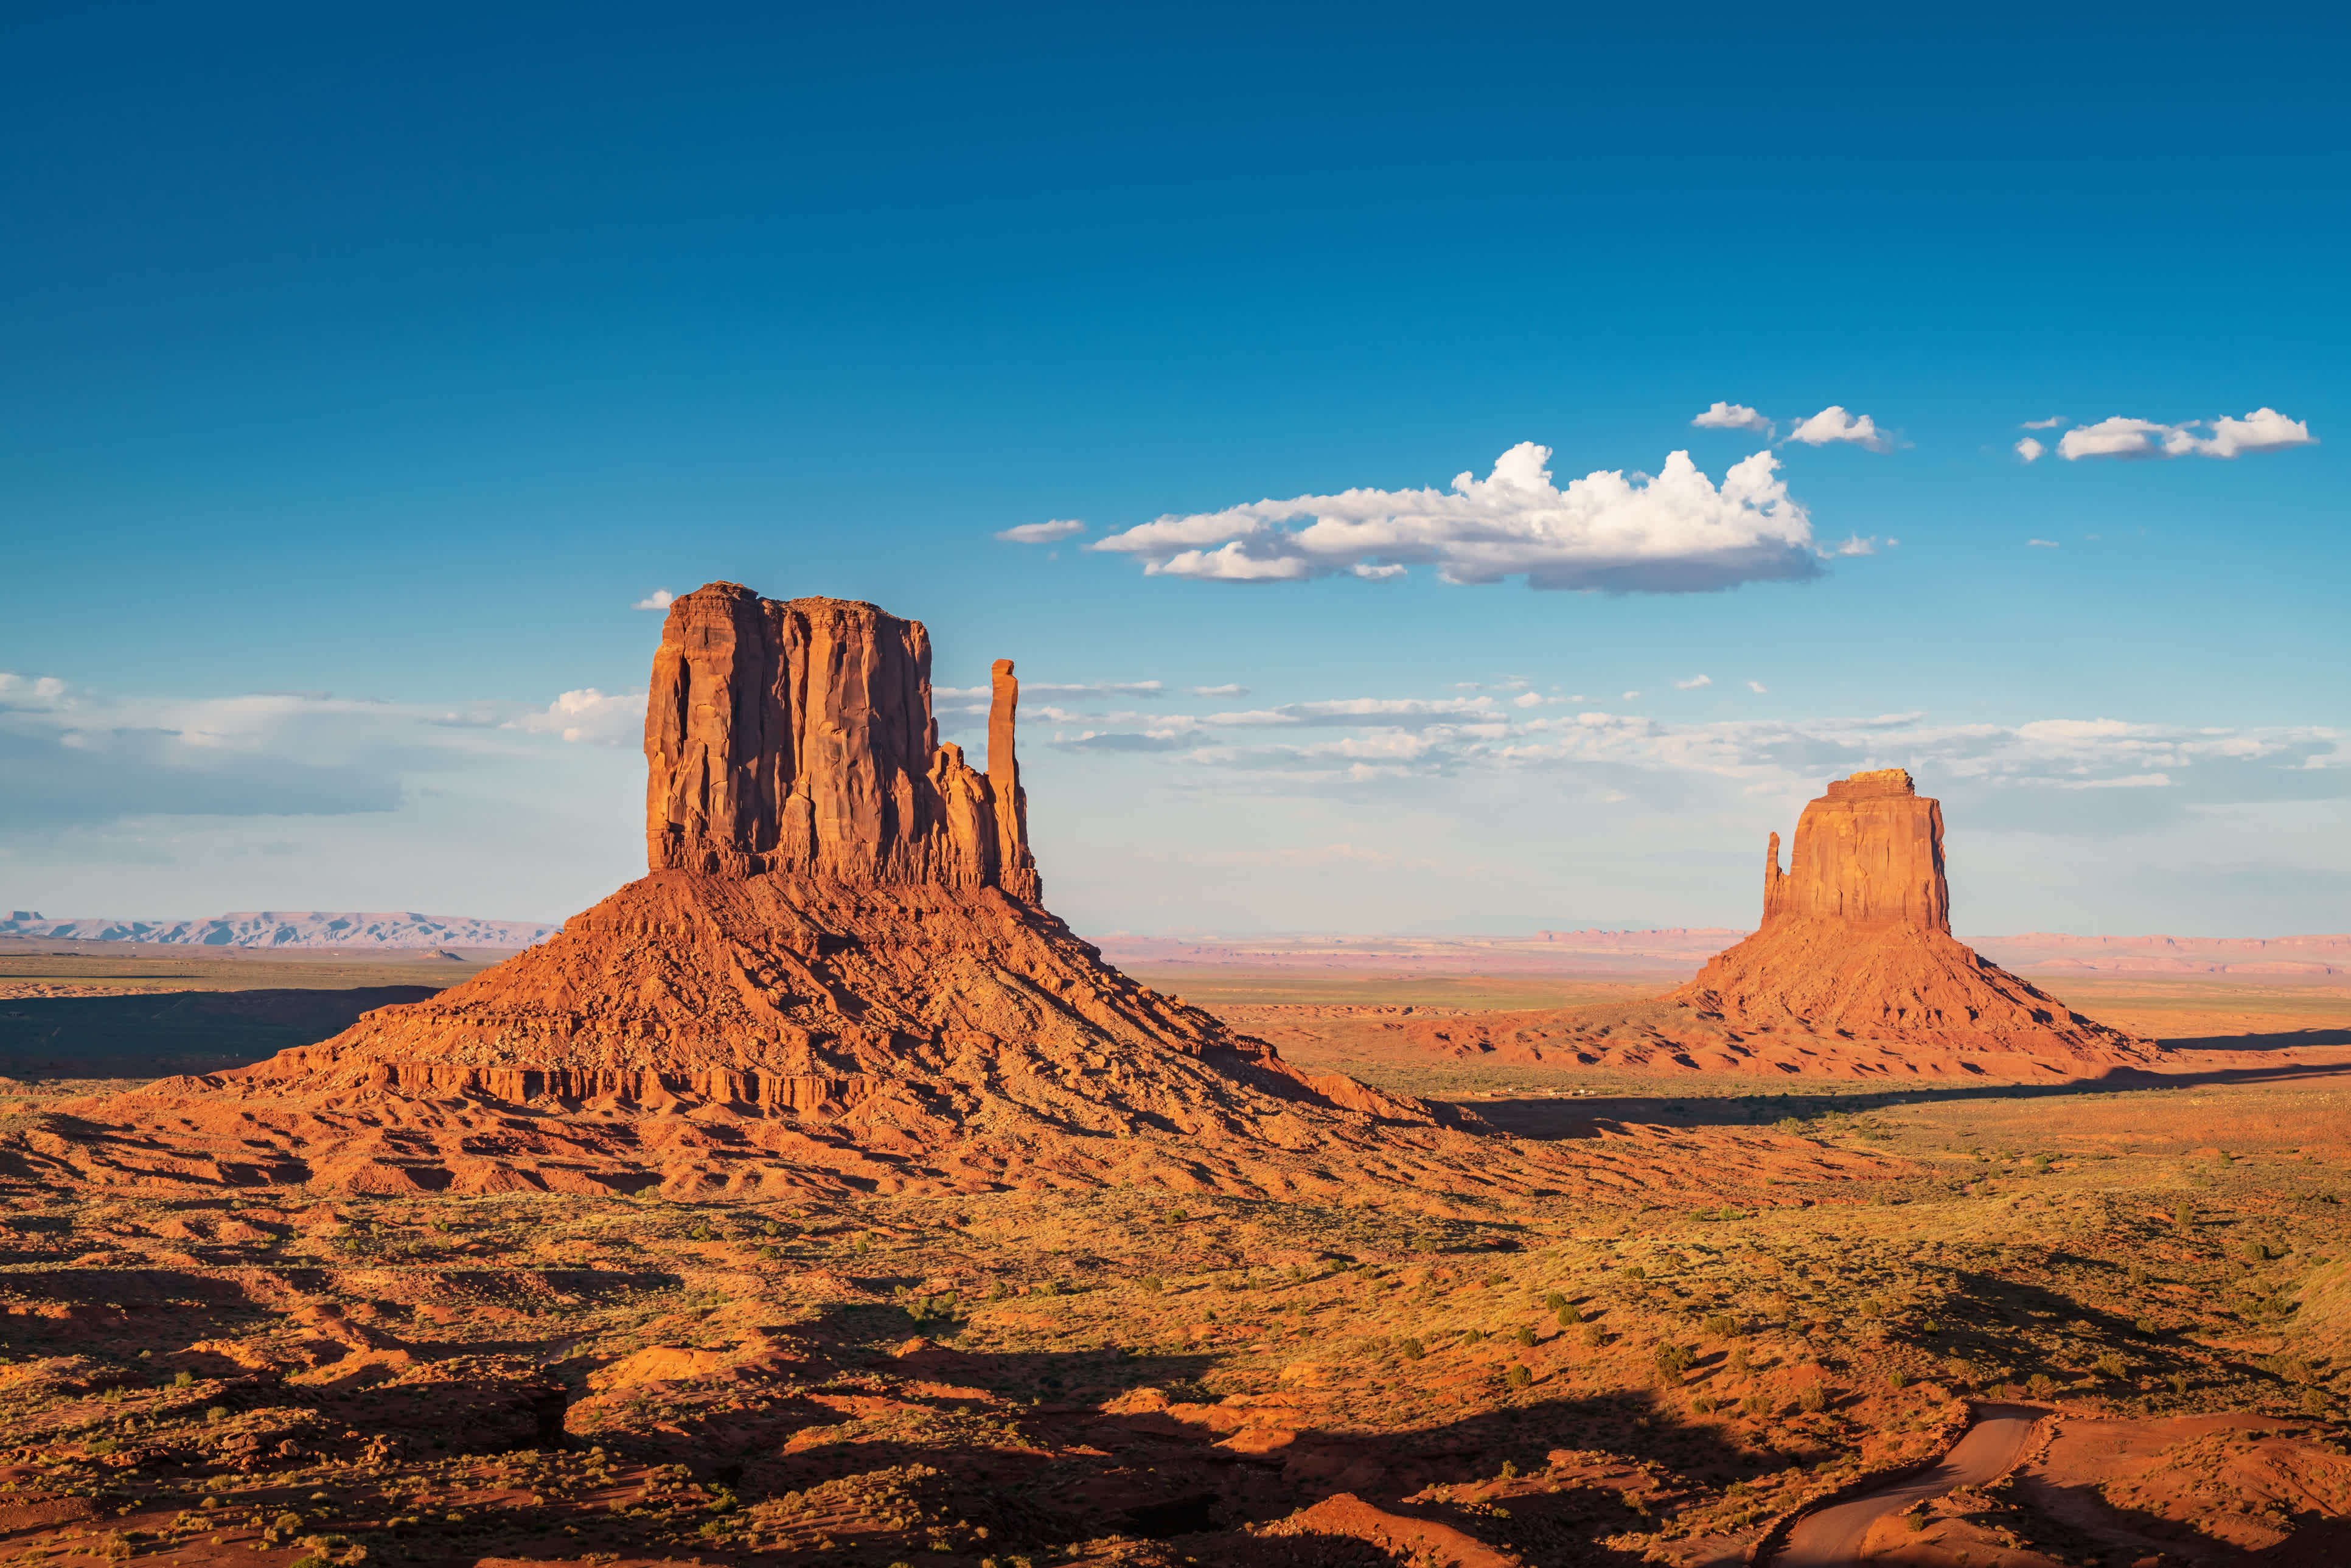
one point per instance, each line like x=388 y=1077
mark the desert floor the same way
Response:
x=2142 y=1282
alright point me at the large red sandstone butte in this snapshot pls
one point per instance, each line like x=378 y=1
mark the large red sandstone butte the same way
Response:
x=836 y=977
x=1853 y=972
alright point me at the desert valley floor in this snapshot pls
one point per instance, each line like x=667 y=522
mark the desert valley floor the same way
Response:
x=1752 y=1293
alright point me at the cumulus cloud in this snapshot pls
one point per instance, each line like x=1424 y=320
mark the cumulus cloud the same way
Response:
x=1696 y=682
x=2052 y=423
x=659 y=598
x=2262 y=430
x=1223 y=691
x=1041 y=533
x=588 y=717
x=1758 y=687
x=1833 y=424
x=2030 y=450
x=1732 y=416
x=2040 y=544
x=1855 y=544
x=1675 y=533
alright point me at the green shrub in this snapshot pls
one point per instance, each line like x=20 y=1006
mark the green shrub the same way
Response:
x=1813 y=1400
x=1634 y=1271
x=1553 y=1302
x=1595 y=1335
x=1413 y=1350
x=1569 y=1316
x=2114 y=1366
x=2040 y=1386
x=1722 y=1325
x=1673 y=1360
x=1151 y=1282
x=184 y=1379
x=1525 y=1334
x=1518 y=1377
x=2179 y=1383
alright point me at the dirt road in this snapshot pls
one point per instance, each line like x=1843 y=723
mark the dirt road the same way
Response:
x=1832 y=1538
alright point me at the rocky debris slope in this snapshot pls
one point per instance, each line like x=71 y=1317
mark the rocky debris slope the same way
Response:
x=1855 y=971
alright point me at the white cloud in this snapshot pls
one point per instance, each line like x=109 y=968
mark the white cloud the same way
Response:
x=1855 y=544
x=2263 y=430
x=1527 y=699
x=1732 y=416
x=1758 y=688
x=1630 y=696
x=588 y=715
x=1228 y=690
x=1041 y=533
x=2040 y=544
x=1696 y=682
x=1833 y=424
x=659 y=598
x=2030 y=450
x=1091 y=689
x=2052 y=423
x=1672 y=534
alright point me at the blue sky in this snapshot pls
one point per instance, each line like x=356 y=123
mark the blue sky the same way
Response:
x=394 y=355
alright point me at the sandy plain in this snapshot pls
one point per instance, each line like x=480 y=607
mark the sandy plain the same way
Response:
x=2151 y=1266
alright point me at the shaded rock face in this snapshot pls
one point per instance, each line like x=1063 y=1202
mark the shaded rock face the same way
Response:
x=795 y=736
x=1870 y=852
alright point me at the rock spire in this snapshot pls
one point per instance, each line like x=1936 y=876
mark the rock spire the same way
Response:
x=795 y=736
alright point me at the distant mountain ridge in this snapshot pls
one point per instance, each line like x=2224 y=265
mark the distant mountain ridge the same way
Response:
x=291 y=928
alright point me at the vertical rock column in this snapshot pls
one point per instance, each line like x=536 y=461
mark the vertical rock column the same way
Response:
x=1016 y=867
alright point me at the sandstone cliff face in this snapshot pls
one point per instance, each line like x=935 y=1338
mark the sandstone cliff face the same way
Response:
x=797 y=736
x=1870 y=852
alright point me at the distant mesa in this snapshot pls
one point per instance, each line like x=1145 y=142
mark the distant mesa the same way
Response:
x=837 y=977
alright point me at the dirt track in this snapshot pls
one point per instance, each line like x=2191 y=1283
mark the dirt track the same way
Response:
x=1832 y=1537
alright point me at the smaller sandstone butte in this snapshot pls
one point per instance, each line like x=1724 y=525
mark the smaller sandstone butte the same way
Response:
x=1855 y=971
x=796 y=736
x=1857 y=942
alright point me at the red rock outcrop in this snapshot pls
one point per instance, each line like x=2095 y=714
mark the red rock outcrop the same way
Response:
x=797 y=736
